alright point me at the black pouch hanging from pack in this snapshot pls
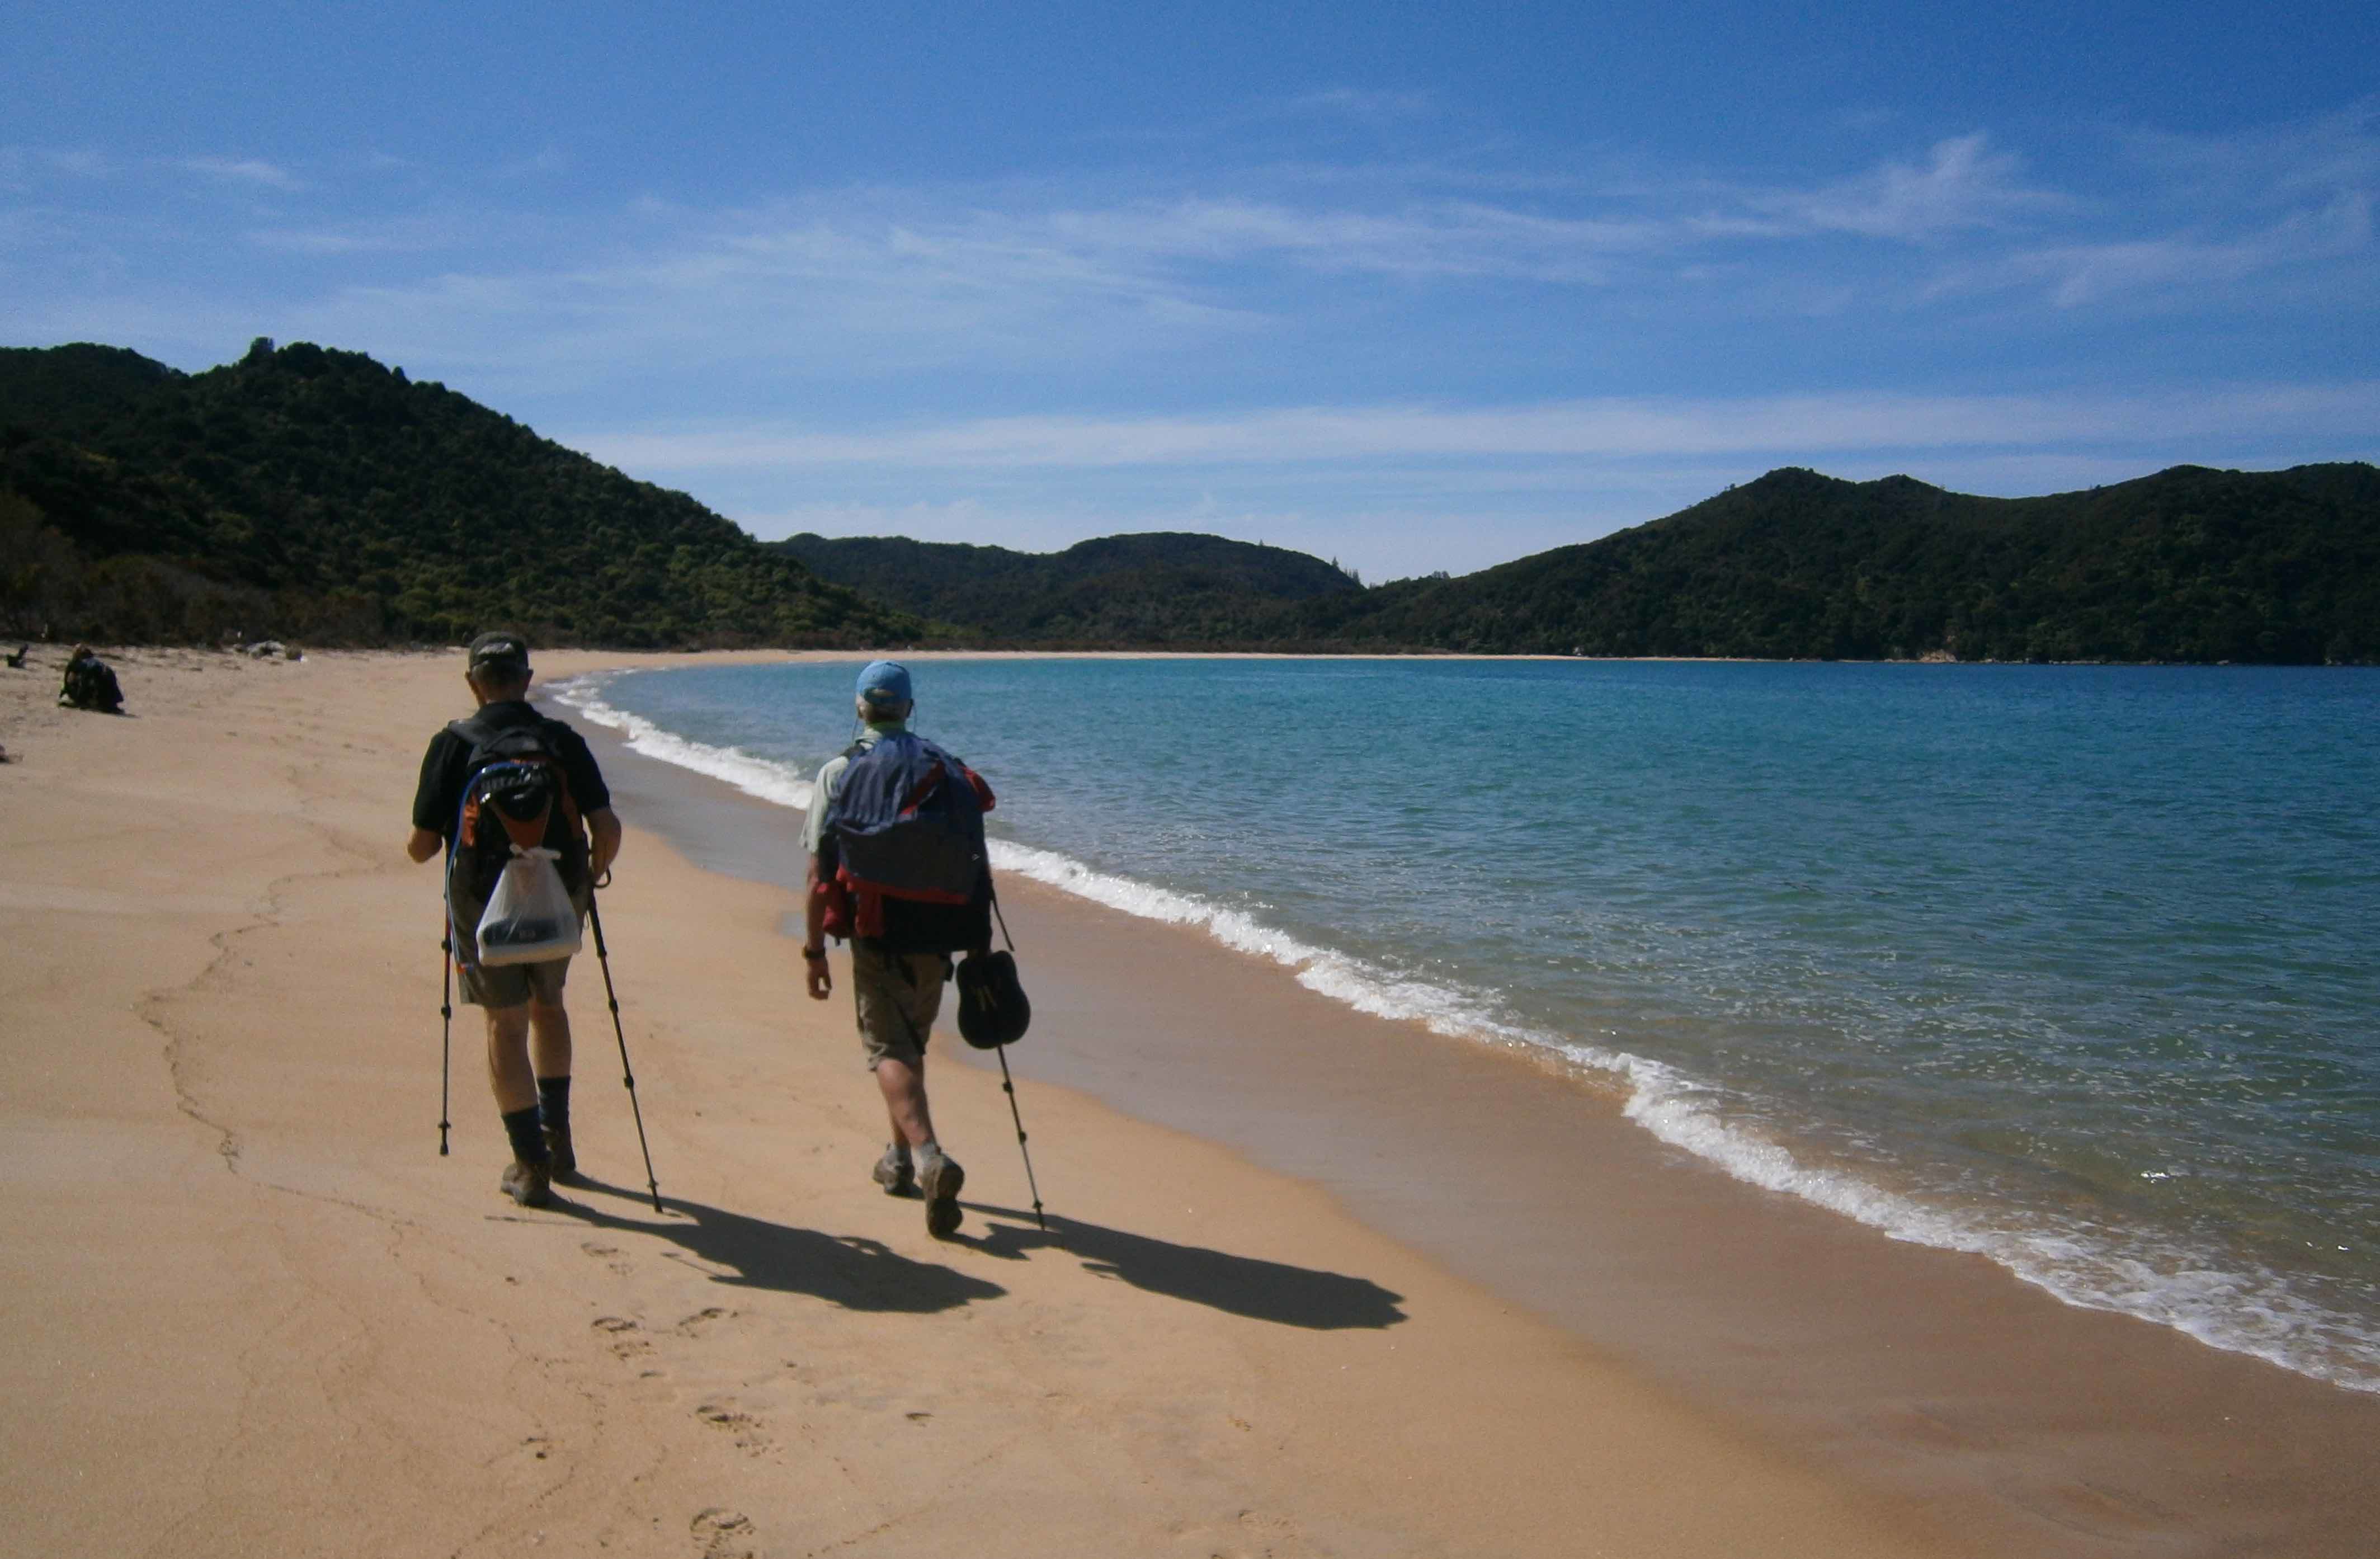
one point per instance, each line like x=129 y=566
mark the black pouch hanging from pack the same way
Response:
x=992 y=1008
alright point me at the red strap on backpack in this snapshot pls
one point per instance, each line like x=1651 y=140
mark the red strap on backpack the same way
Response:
x=835 y=907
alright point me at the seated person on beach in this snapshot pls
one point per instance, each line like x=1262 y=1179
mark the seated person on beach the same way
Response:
x=899 y=964
x=90 y=684
x=529 y=1031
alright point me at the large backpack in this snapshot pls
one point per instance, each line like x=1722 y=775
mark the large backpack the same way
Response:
x=906 y=827
x=514 y=793
x=91 y=684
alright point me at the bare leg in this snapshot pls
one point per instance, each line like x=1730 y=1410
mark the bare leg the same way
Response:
x=548 y=1032
x=509 y=1077
x=904 y=1100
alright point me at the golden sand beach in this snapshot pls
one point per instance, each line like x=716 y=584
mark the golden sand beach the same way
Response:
x=250 y=1309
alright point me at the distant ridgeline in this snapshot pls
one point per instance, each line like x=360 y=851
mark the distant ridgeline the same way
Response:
x=313 y=494
x=2189 y=565
x=1159 y=589
x=317 y=495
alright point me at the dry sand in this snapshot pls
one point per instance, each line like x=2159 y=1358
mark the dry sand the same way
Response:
x=250 y=1310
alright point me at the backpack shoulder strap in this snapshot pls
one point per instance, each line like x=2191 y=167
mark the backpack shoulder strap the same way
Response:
x=471 y=733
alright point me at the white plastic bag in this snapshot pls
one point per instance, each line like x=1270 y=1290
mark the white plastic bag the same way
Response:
x=529 y=916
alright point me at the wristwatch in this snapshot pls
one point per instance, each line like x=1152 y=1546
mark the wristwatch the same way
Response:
x=813 y=952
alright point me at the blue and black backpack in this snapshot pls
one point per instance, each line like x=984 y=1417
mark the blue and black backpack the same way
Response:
x=906 y=828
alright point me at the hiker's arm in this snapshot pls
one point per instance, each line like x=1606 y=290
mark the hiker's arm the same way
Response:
x=434 y=796
x=603 y=838
x=815 y=974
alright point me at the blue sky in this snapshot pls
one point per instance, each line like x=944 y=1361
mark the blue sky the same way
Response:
x=1414 y=287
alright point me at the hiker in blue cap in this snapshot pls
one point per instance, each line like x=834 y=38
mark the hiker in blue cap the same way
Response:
x=897 y=865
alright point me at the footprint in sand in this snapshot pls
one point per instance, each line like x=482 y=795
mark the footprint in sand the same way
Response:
x=1249 y=1535
x=743 y=1426
x=723 y=1534
x=623 y=1344
x=621 y=1267
x=695 y=1324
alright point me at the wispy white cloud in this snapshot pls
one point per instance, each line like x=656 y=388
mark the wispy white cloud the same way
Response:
x=535 y=165
x=25 y=163
x=1792 y=427
x=2283 y=164
x=415 y=233
x=1962 y=184
x=1440 y=238
x=2076 y=275
x=2202 y=217
x=24 y=168
x=1368 y=107
x=927 y=276
x=1029 y=276
x=244 y=170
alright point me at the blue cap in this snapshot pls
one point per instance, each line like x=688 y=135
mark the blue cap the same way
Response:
x=885 y=682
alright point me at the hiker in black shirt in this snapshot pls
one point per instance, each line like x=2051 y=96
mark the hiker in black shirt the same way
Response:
x=528 y=1030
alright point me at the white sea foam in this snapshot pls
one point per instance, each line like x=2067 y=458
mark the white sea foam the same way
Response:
x=762 y=777
x=2253 y=1312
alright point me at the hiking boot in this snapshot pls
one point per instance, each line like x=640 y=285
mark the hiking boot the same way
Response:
x=894 y=1173
x=939 y=1180
x=560 y=1158
x=531 y=1184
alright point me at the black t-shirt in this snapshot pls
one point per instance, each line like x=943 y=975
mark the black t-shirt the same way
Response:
x=444 y=767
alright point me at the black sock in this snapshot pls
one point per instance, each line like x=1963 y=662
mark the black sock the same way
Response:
x=528 y=1143
x=553 y=1102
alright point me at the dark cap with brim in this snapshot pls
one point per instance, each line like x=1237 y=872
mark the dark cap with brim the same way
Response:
x=499 y=651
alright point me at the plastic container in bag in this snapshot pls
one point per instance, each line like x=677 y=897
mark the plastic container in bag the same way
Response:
x=529 y=917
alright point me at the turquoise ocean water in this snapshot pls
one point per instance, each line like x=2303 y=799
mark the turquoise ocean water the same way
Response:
x=2071 y=967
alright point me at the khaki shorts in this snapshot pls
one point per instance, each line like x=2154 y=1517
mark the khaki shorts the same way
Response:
x=512 y=986
x=505 y=985
x=897 y=995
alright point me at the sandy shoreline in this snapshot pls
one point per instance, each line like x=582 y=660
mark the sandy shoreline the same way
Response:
x=1915 y=1371
x=253 y=1310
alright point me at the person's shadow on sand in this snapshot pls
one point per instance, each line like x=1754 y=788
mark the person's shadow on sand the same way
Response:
x=846 y=1270
x=1241 y=1284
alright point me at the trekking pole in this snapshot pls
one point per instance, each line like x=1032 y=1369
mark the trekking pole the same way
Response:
x=1008 y=1085
x=602 y=957
x=445 y=1025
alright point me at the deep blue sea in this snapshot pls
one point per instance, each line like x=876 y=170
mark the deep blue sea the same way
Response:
x=2072 y=967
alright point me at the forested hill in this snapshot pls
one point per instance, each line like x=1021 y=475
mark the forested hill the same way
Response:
x=2189 y=564
x=315 y=494
x=1159 y=588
